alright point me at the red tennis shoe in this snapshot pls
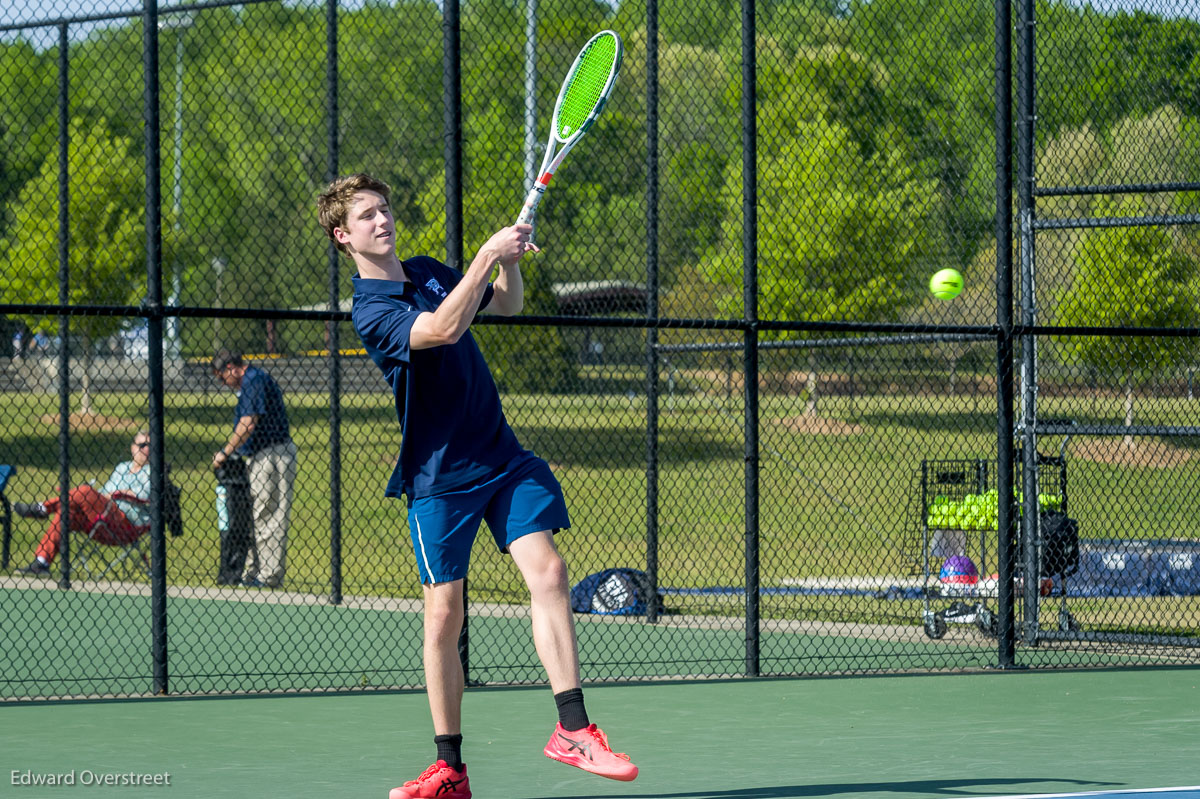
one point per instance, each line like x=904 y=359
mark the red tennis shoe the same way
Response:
x=588 y=749
x=439 y=781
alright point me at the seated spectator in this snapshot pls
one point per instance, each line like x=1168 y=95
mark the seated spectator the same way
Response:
x=124 y=520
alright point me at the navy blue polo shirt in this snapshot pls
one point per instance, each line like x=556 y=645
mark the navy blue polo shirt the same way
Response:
x=454 y=431
x=260 y=396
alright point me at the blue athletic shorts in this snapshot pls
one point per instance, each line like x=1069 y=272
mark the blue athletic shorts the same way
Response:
x=524 y=498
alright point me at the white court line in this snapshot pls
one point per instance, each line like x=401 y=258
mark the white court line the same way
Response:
x=1190 y=792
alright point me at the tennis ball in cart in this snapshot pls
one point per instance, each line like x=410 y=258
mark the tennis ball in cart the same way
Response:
x=946 y=284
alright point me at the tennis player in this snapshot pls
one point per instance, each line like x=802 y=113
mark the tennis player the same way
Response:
x=461 y=463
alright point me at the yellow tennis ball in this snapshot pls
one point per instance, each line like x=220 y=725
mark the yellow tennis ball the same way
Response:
x=946 y=284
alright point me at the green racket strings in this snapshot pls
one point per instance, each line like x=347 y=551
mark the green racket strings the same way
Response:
x=586 y=86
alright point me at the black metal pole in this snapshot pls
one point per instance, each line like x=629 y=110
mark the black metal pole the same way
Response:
x=64 y=300
x=452 y=122
x=1026 y=114
x=750 y=316
x=335 y=354
x=6 y=522
x=652 y=278
x=158 y=541
x=1004 y=342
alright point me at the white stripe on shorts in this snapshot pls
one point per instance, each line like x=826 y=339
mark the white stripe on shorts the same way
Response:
x=421 y=544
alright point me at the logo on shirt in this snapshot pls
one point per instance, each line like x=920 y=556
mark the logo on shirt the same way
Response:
x=435 y=287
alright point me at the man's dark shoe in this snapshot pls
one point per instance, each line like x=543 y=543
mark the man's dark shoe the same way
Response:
x=31 y=510
x=37 y=567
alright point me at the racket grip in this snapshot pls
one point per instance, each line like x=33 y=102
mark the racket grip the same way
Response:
x=528 y=215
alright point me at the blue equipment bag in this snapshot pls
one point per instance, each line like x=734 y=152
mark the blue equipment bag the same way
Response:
x=614 y=592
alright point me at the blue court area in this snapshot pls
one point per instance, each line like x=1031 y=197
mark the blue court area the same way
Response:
x=1084 y=733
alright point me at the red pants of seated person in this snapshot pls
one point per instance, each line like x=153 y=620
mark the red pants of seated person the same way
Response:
x=86 y=503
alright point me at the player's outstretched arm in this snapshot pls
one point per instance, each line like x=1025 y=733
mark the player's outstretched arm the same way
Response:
x=447 y=324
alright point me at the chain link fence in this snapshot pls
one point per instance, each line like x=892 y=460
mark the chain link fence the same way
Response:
x=729 y=353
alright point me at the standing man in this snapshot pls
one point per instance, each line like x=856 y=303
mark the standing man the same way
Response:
x=460 y=464
x=262 y=436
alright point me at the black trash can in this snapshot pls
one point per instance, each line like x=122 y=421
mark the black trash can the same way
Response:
x=236 y=521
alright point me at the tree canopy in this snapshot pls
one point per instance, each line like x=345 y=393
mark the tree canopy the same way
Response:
x=876 y=155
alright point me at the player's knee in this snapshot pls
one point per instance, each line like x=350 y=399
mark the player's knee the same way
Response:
x=443 y=611
x=550 y=575
x=442 y=619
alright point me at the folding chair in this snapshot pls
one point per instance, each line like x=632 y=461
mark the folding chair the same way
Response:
x=92 y=558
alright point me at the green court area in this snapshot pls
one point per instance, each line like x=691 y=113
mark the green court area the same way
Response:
x=895 y=737
x=81 y=643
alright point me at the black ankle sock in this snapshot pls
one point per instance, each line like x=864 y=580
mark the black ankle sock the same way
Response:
x=449 y=748
x=571 y=713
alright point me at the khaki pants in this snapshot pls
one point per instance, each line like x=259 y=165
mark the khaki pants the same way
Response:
x=272 y=472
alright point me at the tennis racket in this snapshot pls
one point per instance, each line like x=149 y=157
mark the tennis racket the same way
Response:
x=580 y=100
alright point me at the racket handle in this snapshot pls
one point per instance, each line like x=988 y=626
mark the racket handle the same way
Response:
x=528 y=215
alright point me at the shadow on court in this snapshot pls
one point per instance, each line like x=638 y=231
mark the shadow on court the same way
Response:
x=928 y=787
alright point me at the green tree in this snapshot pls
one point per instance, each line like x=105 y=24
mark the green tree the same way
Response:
x=1160 y=145
x=841 y=233
x=939 y=92
x=908 y=80
x=846 y=219
x=1131 y=277
x=107 y=260
x=27 y=124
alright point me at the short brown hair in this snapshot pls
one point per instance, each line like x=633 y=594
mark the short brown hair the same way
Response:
x=225 y=358
x=333 y=204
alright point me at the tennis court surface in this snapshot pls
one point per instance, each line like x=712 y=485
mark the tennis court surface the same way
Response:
x=1189 y=792
x=963 y=735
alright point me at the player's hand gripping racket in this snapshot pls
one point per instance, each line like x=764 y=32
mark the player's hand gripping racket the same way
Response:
x=580 y=100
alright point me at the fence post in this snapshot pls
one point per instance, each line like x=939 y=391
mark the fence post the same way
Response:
x=652 y=306
x=334 y=338
x=1026 y=114
x=158 y=543
x=750 y=331
x=64 y=299
x=1004 y=342
x=452 y=121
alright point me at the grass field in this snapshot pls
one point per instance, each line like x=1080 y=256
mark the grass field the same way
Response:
x=836 y=503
